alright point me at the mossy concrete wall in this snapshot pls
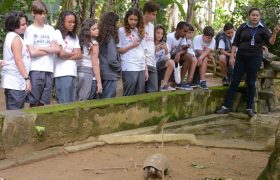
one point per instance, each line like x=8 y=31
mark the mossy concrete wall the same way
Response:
x=79 y=120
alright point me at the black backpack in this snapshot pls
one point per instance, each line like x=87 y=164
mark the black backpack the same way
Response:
x=218 y=37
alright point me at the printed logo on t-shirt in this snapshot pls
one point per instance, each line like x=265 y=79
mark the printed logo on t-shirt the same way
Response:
x=130 y=37
x=160 y=55
x=27 y=53
x=148 y=37
x=204 y=46
x=67 y=47
x=41 y=40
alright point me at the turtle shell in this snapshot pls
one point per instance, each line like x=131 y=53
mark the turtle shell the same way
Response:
x=158 y=161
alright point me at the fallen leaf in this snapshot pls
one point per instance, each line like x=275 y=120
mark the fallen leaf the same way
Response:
x=198 y=166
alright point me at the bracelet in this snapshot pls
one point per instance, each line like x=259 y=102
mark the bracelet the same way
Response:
x=27 y=78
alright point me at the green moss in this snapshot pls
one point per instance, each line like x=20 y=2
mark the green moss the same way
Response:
x=126 y=126
x=100 y=103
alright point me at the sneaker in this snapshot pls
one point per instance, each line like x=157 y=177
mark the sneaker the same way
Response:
x=191 y=84
x=202 y=85
x=183 y=86
x=187 y=87
x=166 y=88
x=225 y=81
x=250 y=113
x=223 y=110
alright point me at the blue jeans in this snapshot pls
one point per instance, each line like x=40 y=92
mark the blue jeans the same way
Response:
x=152 y=84
x=65 y=88
x=249 y=65
x=84 y=86
x=133 y=82
x=41 y=83
x=14 y=99
x=93 y=91
x=109 y=88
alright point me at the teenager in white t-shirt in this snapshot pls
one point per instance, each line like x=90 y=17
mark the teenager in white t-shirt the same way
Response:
x=149 y=13
x=191 y=52
x=177 y=46
x=224 y=46
x=203 y=45
x=132 y=49
x=65 y=71
x=14 y=75
x=42 y=45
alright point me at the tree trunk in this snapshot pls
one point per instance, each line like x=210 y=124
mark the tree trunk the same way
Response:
x=209 y=12
x=92 y=8
x=189 y=18
x=197 y=25
x=135 y=3
x=84 y=10
x=67 y=5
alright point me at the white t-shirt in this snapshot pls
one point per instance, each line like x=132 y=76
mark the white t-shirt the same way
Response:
x=190 y=49
x=86 y=59
x=10 y=75
x=149 y=38
x=173 y=43
x=222 y=43
x=41 y=37
x=133 y=59
x=66 y=67
x=199 y=44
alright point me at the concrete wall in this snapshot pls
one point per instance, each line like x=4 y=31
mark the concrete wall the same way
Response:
x=79 y=120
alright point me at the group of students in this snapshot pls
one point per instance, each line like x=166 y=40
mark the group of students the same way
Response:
x=88 y=64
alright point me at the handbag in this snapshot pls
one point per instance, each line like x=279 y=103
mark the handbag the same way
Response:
x=177 y=73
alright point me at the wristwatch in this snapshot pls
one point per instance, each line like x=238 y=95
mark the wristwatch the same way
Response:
x=27 y=78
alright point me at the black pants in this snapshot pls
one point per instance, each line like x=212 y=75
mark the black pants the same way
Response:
x=249 y=65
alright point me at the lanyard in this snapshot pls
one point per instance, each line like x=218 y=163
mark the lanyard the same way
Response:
x=253 y=36
x=254 y=32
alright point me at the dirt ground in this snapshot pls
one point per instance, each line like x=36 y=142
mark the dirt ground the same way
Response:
x=124 y=162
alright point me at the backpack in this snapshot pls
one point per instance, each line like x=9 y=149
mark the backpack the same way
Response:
x=222 y=36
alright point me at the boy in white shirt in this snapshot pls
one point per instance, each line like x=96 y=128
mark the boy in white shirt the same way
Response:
x=40 y=40
x=203 y=45
x=224 y=46
x=149 y=14
x=178 y=48
x=191 y=52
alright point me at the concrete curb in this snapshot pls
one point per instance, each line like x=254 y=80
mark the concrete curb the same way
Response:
x=111 y=139
x=81 y=147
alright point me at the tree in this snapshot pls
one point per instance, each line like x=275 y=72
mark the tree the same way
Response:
x=135 y=3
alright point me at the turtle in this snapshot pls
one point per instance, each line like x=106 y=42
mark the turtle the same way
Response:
x=155 y=165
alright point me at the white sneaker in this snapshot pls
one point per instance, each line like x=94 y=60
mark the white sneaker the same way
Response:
x=166 y=88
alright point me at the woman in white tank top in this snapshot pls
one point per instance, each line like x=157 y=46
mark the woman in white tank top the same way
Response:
x=14 y=76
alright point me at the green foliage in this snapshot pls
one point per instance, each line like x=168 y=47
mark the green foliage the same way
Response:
x=222 y=16
x=6 y=7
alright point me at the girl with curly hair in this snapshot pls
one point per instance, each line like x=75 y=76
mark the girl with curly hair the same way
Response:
x=132 y=49
x=65 y=71
x=110 y=65
x=89 y=80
